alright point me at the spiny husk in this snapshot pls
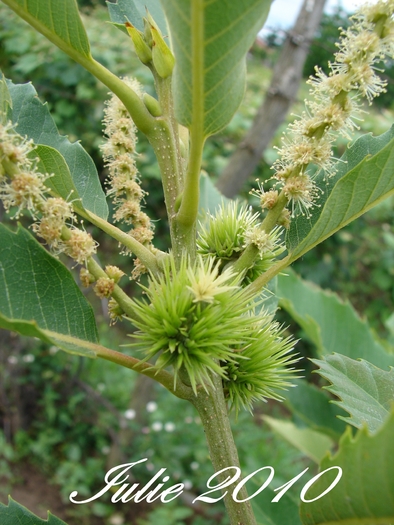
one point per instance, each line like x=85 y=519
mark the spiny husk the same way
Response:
x=219 y=334
x=226 y=234
x=190 y=334
x=265 y=367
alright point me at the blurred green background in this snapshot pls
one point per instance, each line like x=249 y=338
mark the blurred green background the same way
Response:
x=66 y=420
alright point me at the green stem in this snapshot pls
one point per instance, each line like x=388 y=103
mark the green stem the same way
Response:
x=246 y=260
x=138 y=249
x=187 y=215
x=256 y=286
x=164 y=92
x=271 y=219
x=165 y=142
x=161 y=376
x=164 y=145
x=251 y=253
x=134 y=105
x=213 y=413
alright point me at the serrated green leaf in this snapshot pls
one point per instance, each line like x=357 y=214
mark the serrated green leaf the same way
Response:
x=135 y=11
x=312 y=443
x=313 y=407
x=16 y=514
x=210 y=40
x=39 y=297
x=364 y=178
x=76 y=169
x=365 y=493
x=331 y=324
x=58 y=20
x=365 y=391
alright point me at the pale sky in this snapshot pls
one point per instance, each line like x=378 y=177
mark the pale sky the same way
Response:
x=284 y=12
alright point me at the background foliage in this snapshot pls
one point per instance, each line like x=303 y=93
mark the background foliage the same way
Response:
x=43 y=394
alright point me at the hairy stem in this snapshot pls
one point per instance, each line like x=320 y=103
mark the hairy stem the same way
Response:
x=256 y=286
x=213 y=413
x=251 y=253
x=134 y=105
x=161 y=376
x=138 y=249
x=164 y=91
x=166 y=144
x=273 y=215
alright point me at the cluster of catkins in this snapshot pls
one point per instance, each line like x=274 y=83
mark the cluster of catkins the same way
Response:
x=22 y=187
x=123 y=183
x=333 y=108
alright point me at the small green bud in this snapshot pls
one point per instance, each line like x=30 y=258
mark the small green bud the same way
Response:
x=149 y=24
x=141 y=47
x=152 y=105
x=162 y=56
x=148 y=33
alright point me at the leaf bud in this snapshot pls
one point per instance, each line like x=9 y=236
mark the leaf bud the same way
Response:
x=141 y=47
x=162 y=56
x=148 y=33
x=152 y=105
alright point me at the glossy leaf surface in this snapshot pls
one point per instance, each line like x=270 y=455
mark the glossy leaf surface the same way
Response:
x=39 y=297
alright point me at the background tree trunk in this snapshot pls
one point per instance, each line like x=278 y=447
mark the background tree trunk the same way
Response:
x=283 y=89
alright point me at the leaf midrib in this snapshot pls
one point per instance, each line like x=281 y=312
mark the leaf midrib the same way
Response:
x=198 y=26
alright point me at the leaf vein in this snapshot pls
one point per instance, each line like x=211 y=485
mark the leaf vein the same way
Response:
x=229 y=27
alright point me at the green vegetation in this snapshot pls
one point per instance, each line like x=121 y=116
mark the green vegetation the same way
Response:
x=73 y=418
